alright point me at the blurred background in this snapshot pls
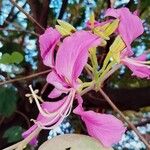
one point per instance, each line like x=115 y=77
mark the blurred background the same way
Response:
x=19 y=58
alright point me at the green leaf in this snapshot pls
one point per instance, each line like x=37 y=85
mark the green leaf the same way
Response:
x=13 y=134
x=8 y=101
x=16 y=57
x=6 y=59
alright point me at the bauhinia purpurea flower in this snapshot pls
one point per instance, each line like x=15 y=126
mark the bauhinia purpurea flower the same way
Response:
x=68 y=51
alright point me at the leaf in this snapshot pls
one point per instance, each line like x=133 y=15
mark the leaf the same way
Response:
x=13 y=134
x=6 y=59
x=16 y=57
x=8 y=100
x=73 y=142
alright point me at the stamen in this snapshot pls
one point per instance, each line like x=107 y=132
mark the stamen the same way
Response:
x=45 y=114
x=59 y=115
x=136 y=62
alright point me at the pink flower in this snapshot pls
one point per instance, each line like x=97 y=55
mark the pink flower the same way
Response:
x=103 y=127
x=137 y=66
x=71 y=58
x=130 y=26
x=48 y=42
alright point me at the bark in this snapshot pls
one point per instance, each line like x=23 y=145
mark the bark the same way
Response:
x=40 y=13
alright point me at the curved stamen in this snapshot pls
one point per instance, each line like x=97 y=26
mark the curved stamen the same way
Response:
x=41 y=110
x=135 y=62
x=66 y=113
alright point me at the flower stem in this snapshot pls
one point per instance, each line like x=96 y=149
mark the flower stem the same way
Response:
x=124 y=118
x=109 y=73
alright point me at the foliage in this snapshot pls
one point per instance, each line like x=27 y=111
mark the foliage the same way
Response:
x=15 y=57
x=8 y=101
x=13 y=134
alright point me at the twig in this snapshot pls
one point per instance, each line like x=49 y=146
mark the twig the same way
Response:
x=28 y=15
x=12 y=30
x=124 y=118
x=115 y=68
x=25 y=78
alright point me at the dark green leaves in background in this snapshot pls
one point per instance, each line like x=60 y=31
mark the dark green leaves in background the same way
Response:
x=13 y=134
x=8 y=101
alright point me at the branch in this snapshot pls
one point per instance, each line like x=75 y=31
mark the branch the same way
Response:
x=124 y=118
x=26 y=77
x=28 y=15
x=25 y=31
x=11 y=17
x=63 y=8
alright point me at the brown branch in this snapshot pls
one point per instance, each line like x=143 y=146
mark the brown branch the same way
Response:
x=26 y=77
x=63 y=8
x=25 y=31
x=124 y=118
x=28 y=15
x=11 y=16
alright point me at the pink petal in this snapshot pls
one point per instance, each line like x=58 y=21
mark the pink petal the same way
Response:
x=140 y=70
x=73 y=53
x=55 y=93
x=48 y=42
x=50 y=107
x=105 y=128
x=54 y=79
x=130 y=26
x=25 y=134
x=142 y=57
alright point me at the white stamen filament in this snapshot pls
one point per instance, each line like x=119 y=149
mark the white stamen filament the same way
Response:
x=43 y=113
x=66 y=113
x=136 y=63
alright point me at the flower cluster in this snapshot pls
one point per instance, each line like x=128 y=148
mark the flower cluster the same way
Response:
x=68 y=51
